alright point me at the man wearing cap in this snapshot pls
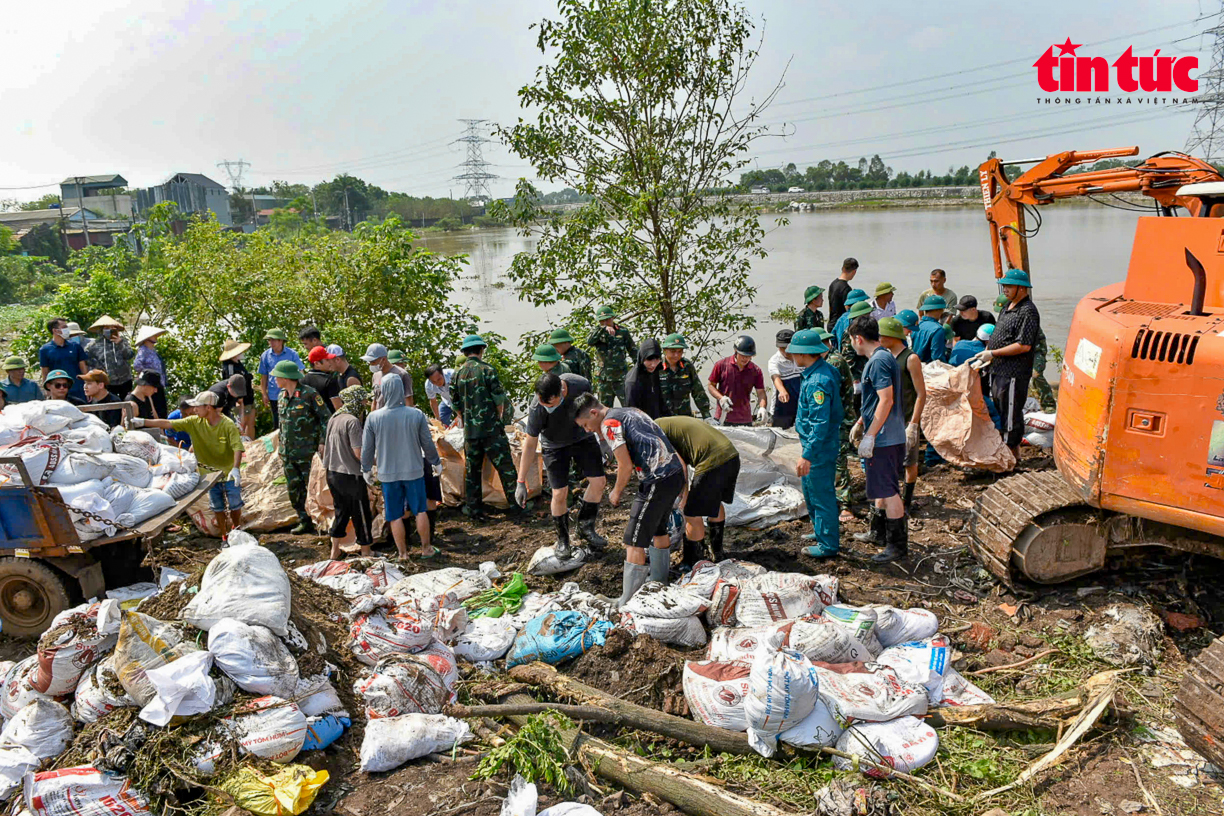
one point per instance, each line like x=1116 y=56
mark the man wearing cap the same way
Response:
x=843 y=321
x=276 y=352
x=818 y=421
x=839 y=289
x=396 y=357
x=310 y=338
x=939 y=279
x=97 y=393
x=679 y=380
x=232 y=356
x=347 y=374
x=549 y=359
x=969 y=318
x=1010 y=355
x=303 y=430
x=438 y=392
x=929 y=341
x=230 y=394
x=111 y=352
x=322 y=377
x=913 y=400
x=732 y=381
x=15 y=386
x=613 y=349
x=810 y=316
x=579 y=361
x=883 y=304
x=787 y=378
x=58 y=386
x=480 y=401
x=217 y=445
x=377 y=357
x=58 y=354
x=716 y=466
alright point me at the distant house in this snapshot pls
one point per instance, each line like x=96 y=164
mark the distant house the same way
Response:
x=194 y=193
x=87 y=191
x=72 y=223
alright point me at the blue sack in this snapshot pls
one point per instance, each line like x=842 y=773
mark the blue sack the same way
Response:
x=323 y=731
x=557 y=636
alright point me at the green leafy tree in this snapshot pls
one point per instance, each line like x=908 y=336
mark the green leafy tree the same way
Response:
x=639 y=108
x=46 y=241
x=46 y=202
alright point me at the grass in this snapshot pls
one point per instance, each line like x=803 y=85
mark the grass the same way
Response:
x=13 y=318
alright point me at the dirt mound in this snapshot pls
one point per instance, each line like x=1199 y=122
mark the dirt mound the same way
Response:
x=637 y=669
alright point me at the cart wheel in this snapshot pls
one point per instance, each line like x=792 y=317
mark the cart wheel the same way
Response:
x=31 y=595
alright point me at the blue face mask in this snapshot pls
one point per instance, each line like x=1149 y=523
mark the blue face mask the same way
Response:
x=550 y=408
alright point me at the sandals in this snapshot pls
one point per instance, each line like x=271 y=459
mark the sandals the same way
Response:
x=436 y=552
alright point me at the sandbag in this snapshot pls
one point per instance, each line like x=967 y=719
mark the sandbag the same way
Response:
x=269 y=727
x=391 y=741
x=956 y=422
x=44 y=728
x=149 y=503
x=98 y=694
x=895 y=626
x=545 y=561
x=317 y=696
x=872 y=696
x=82 y=791
x=485 y=639
x=451 y=586
x=557 y=636
x=922 y=662
x=180 y=689
x=100 y=522
x=777 y=596
x=265 y=499
x=715 y=691
x=658 y=599
x=174 y=460
x=824 y=640
x=89 y=439
x=904 y=744
x=782 y=691
x=820 y=729
x=320 y=569
x=349 y=584
x=19 y=689
x=386 y=632
x=687 y=633
x=176 y=485
x=146 y=643
x=384 y=574
x=69 y=493
x=78 y=638
x=442 y=658
x=130 y=596
x=139 y=444
x=44 y=416
x=244 y=582
x=131 y=470
x=402 y=684
x=254 y=658
x=960 y=691
x=119 y=495
x=15 y=763
x=859 y=622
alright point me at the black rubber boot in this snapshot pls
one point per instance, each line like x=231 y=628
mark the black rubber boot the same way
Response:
x=693 y=552
x=305 y=527
x=876 y=534
x=716 y=539
x=561 y=549
x=908 y=495
x=586 y=526
x=634 y=576
x=660 y=559
x=896 y=541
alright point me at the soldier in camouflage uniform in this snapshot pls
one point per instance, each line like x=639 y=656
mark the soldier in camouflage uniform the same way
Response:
x=810 y=316
x=850 y=415
x=1040 y=386
x=549 y=360
x=303 y=427
x=579 y=361
x=478 y=399
x=614 y=348
x=679 y=380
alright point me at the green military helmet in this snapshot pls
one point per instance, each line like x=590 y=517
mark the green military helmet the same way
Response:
x=855 y=296
x=287 y=369
x=934 y=303
x=908 y=318
x=560 y=336
x=824 y=334
x=395 y=356
x=859 y=309
x=276 y=334
x=807 y=341
x=1016 y=277
x=675 y=340
x=891 y=327
x=812 y=292
x=605 y=313
x=472 y=341
x=1001 y=302
x=948 y=333
x=13 y=363
x=884 y=289
x=546 y=353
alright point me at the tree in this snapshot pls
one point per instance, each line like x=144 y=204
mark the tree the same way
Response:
x=362 y=198
x=45 y=203
x=639 y=108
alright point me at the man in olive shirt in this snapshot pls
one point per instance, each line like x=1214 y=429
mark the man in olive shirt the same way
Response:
x=716 y=465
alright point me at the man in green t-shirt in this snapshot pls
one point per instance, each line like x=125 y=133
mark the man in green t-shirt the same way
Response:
x=217 y=445
x=716 y=464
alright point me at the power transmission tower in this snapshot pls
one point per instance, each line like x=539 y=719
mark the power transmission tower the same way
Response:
x=475 y=175
x=1207 y=136
x=234 y=169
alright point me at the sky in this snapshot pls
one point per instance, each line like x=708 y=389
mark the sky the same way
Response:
x=305 y=90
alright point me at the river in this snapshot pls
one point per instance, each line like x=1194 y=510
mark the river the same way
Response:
x=1079 y=249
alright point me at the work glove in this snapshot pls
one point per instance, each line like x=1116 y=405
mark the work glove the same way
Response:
x=856 y=433
x=981 y=360
x=437 y=469
x=520 y=495
x=136 y=422
x=761 y=414
x=235 y=477
x=858 y=388
x=724 y=402
x=866 y=448
x=911 y=437
x=369 y=477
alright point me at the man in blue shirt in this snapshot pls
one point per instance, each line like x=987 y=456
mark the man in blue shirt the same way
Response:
x=276 y=352
x=15 y=386
x=839 y=328
x=61 y=355
x=882 y=425
x=818 y=422
x=929 y=340
x=966 y=350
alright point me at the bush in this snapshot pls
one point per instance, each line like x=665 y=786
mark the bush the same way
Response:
x=449 y=223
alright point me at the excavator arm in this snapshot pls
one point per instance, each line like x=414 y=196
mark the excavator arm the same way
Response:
x=1159 y=177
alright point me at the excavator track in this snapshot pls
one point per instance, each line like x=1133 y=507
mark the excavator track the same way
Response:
x=1198 y=709
x=1016 y=528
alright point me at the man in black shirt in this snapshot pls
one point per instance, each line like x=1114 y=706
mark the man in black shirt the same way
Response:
x=838 y=290
x=969 y=318
x=143 y=389
x=551 y=426
x=230 y=394
x=1010 y=355
x=346 y=374
x=321 y=378
x=96 y=393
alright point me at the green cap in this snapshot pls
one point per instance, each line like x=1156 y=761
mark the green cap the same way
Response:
x=395 y=356
x=908 y=318
x=13 y=363
x=1001 y=301
x=472 y=341
x=1016 y=277
x=560 y=336
x=546 y=354
x=811 y=293
x=57 y=374
x=276 y=334
x=855 y=296
x=884 y=289
x=675 y=340
x=891 y=327
x=948 y=333
x=859 y=309
x=824 y=334
x=287 y=369
x=806 y=342
x=934 y=302
x=605 y=313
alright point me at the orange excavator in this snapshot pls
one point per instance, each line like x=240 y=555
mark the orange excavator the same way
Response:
x=1139 y=436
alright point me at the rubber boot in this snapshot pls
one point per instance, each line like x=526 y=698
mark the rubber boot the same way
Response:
x=660 y=559
x=634 y=576
x=561 y=548
x=716 y=539
x=908 y=495
x=896 y=541
x=586 y=526
x=693 y=552
x=876 y=534
x=305 y=527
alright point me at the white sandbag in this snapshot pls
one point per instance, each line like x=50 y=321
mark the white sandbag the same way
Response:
x=747 y=643
x=686 y=633
x=131 y=470
x=44 y=416
x=715 y=691
x=1039 y=421
x=180 y=689
x=387 y=632
x=392 y=741
x=871 y=696
x=244 y=582
x=442 y=658
x=87 y=420
x=19 y=689
x=98 y=694
x=349 y=584
x=402 y=684
x=139 y=444
x=904 y=744
x=824 y=640
x=119 y=495
x=385 y=574
x=89 y=438
x=80 y=467
x=485 y=639
x=322 y=700
x=959 y=691
x=147 y=503
x=782 y=691
x=129 y=596
x=254 y=658
x=176 y=485
x=145 y=644
x=923 y=662
x=452 y=586
x=91 y=487
x=44 y=728
x=777 y=596
x=82 y=791
x=1040 y=439
x=15 y=763
x=73 y=644
x=269 y=727
x=320 y=569
x=658 y=599
x=820 y=729
x=174 y=460
x=860 y=622
x=545 y=561
x=100 y=522
x=894 y=626
x=448 y=624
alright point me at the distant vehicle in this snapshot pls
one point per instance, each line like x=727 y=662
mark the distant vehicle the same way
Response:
x=796 y=190
x=759 y=191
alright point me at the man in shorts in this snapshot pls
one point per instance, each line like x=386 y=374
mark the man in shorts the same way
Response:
x=637 y=442
x=716 y=464
x=551 y=428
x=882 y=426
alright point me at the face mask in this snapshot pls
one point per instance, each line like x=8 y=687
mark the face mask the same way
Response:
x=375 y=367
x=63 y=333
x=550 y=408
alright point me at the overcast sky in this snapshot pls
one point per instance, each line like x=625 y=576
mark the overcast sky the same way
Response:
x=304 y=90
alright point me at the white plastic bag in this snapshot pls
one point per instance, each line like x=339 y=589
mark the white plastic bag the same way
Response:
x=349 y=584
x=485 y=639
x=687 y=633
x=860 y=622
x=782 y=691
x=147 y=503
x=715 y=692
x=392 y=741
x=904 y=744
x=98 y=694
x=44 y=728
x=100 y=523
x=959 y=691
x=820 y=729
x=660 y=600
x=15 y=763
x=174 y=460
x=45 y=416
x=130 y=596
x=181 y=688
x=145 y=644
x=89 y=438
x=244 y=582
x=777 y=596
x=545 y=561
x=872 y=696
x=922 y=662
x=523 y=799
x=747 y=643
x=824 y=640
x=254 y=658
x=269 y=727
x=82 y=791
x=402 y=684
x=131 y=470
x=894 y=626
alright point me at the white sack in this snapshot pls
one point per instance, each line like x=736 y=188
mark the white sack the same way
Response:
x=73 y=644
x=686 y=633
x=452 y=585
x=485 y=639
x=922 y=662
x=254 y=658
x=181 y=688
x=859 y=622
x=872 y=696
x=44 y=728
x=658 y=599
x=402 y=684
x=139 y=444
x=271 y=728
x=82 y=791
x=777 y=596
x=392 y=741
x=782 y=691
x=131 y=470
x=820 y=729
x=149 y=503
x=904 y=744
x=19 y=689
x=244 y=582
x=895 y=626
x=386 y=632
x=545 y=561
x=95 y=696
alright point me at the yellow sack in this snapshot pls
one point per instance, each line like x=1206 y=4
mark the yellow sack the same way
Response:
x=287 y=793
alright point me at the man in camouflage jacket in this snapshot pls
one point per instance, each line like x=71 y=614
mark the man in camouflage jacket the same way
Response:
x=579 y=361
x=613 y=348
x=303 y=427
x=478 y=398
x=679 y=380
x=850 y=414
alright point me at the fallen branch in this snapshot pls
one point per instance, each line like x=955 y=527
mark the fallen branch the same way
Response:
x=574 y=712
x=1047 y=713
x=892 y=773
x=1019 y=665
x=1151 y=800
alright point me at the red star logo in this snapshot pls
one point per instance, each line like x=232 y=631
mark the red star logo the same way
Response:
x=1068 y=48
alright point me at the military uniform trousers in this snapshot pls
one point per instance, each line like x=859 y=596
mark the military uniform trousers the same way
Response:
x=297 y=478
x=609 y=388
x=497 y=448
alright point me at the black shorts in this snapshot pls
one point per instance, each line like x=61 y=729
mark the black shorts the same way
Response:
x=1010 y=395
x=651 y=508
x=351 y=501
x=585 y=453
x=433 y=485
x=712 y=489
x=884 y=470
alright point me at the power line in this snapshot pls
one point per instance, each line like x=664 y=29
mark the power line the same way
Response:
x=360 y=159
x=33 y=186
x=475 y=175
x=1207 y=134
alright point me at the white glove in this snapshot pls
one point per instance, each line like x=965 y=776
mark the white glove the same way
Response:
x=866 y=448
x=858 y=388
x=136 y=422
x=981 y=360
x=724 y=402
x=856 y=433
x=235 y=477
x=520 y=495
x=437 y=469
x=761 y=414
x=911 y=436
x=369 y=477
